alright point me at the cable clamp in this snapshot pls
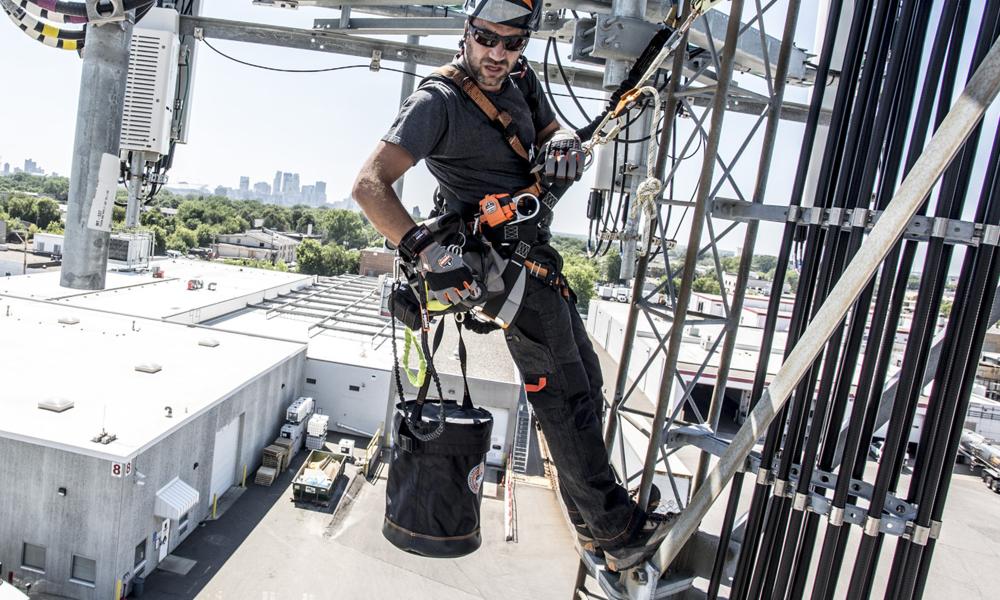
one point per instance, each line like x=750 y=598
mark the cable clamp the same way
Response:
x=779 y=487
x=799 y=503
x=919 y=535
x=836 y=516
x=794 y=214
x=199 y=33
x=991 y=235
x=935 y=530
x=376 y=62
x=872 y=526
x=939 y=227
x=764 y=477
x=860 y=217
x=835 y=217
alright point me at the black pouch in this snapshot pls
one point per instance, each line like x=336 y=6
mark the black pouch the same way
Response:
x=435 y=487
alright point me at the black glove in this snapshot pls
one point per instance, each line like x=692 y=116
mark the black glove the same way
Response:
x=449 y=279
x=561 y=159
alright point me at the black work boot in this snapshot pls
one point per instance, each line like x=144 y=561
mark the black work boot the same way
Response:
x=645 y=543
x=587 y=541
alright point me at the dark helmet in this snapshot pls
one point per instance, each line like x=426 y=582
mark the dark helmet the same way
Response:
x=525 y=14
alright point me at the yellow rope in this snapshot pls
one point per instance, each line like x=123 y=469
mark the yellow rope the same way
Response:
x=410 y=341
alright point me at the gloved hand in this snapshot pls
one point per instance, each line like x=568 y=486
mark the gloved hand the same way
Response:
x=561 y=159
x=449 y=279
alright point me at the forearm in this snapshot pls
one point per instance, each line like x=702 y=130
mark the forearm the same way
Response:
x=382 y=207
x=374 y=194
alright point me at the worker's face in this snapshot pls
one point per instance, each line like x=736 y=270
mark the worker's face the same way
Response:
x=490 y=65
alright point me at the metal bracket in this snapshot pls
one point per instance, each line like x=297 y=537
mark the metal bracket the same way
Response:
x=115 y=13
x=376 y=62
x=199 y=33
x=621 y=38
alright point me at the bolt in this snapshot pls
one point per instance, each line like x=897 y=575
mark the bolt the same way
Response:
x=640 y=577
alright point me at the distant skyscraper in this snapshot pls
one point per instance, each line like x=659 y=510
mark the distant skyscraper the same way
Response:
x=276 y=188
x=6 y=168
x=262 y=190
x=31 y=167
x=308 y=194
x=290 y=183
x=244 y=184
x=415 y=213
x=320 y=192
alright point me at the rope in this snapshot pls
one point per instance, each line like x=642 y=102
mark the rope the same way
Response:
x=649 y=188
x=410 y=341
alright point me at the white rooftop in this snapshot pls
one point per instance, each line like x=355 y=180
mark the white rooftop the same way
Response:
x=140 y=294
x=92 y=363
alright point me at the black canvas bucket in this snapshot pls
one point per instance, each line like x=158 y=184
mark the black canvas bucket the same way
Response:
x=435 y=487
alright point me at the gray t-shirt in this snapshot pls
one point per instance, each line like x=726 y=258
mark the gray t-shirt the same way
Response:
x=464 y=151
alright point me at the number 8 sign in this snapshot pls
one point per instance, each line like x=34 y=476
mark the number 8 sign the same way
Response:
x=119 y=469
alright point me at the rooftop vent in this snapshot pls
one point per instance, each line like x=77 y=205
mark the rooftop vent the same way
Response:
x=208 y=342
x=57 y=405
x=69 y=320
x=149 y=367
x=104 y=438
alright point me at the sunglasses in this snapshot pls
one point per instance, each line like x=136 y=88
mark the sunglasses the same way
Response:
x=489 y=39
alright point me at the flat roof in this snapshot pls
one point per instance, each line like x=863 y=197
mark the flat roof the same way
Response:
x=92 y=363
x=340 y=319
x=140 y=294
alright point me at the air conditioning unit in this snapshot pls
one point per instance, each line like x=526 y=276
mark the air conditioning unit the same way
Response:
x=151 y=83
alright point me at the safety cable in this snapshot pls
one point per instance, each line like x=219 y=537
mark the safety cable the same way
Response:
x=41 y=10
x=548 y=86
x=566 y=83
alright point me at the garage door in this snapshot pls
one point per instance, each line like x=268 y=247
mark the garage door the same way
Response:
x=227 y=441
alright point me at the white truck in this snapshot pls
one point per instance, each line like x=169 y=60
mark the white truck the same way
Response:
x=983 y=454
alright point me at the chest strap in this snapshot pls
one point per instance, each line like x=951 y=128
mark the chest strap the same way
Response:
x=501 y=119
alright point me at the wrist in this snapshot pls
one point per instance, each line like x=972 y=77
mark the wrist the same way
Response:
x=414 y=242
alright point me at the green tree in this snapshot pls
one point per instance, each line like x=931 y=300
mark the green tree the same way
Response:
x=339 y=260
x=47 y=211
x=344 y=227
x=309 y=257
x=612 y=265
x=581 y=274
x=730 y=264
x=707 y=284
x=763 y=263
x=205 y=234
x=182 y=240
x=792 y=279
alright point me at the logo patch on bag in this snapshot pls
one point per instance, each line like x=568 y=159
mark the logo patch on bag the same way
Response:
x=476 y=476
x=445 y=261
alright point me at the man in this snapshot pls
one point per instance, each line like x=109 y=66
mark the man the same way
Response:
x=471 y=156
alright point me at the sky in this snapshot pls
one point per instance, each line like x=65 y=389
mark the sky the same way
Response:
x=253 y=122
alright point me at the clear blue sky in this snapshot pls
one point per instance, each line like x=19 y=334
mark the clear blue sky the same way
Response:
x=252 y=122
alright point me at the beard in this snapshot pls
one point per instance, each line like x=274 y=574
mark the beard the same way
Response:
x=485 y=77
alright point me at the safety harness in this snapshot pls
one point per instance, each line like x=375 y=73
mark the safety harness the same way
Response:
x=500 y=219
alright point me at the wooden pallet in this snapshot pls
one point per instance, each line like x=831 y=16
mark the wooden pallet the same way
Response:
x=275 y=457
x=265 y=476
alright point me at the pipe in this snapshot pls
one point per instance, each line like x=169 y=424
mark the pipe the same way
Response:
x=956 y=128
x=98 y=127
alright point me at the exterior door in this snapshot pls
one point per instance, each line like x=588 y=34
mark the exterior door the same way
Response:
x=227 y=441
x=164 y=539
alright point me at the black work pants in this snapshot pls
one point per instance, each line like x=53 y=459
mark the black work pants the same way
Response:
x=563 y=380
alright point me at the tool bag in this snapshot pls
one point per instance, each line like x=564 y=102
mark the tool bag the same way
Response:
x=437 y=468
